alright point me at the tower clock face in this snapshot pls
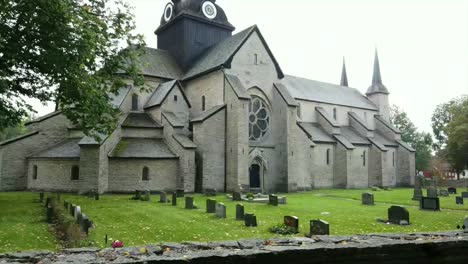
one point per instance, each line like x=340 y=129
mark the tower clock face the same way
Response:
x=168 y=11
x=209 y=10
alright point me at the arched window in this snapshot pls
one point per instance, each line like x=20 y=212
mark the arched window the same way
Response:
x=75 y=173
x=34 y=172
x=335 y=115
x=259 y=119
x=145 y=174
x=135 y=102
x=328 y=156
x=203 y=103
x=175 y=98
x=393 y=159
x=364 y=158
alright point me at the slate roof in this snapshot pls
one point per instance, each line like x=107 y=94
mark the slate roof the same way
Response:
x=316 y=133
x=173 y=119
x=237 y=86
x=11 y=140
x=43 y=118
x=309 y=90
x=142 y=148
x=378 y=144
x=327 y=116
x=344 y=141
x=352 y=136
x=140 y=120
x=68 y=149
x=388 y=124
x=184 y=141
x=162 y=91
x=90 y=141
x=117 y=99
x=208 y=113
x=160 y=63
x=360 y=121
x=283 y=91
x=385 y=141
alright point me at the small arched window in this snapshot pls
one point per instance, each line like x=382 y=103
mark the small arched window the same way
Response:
x=135 y=102
x=256 y=59
x=203 y=103
x=328 y=156
x=34 y=172
x=364 y=158
x=175 y=98
x=393 y=159
x=145 y=174
x=335 y=115
x=75 y=173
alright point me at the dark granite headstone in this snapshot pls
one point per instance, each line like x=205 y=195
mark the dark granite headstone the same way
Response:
x=137 y=195
x=250 y=220
x=273 y=200
x=452 y=190
x=96 y=196
x=367 y=198
x=459 y=200
x=174 y=199
x=292 y=221
x=85 y=224
x=41 y=197
x=417 y=194
x=319 y=228
x=48 y=201
x=189 y=204
x=429 y=203
x=72 y=210
x=220 y=210
x=465 y=195
x=236 y=196
x=210 y=206
x=443 y=193
x=210 y=192
x=398 y=215
x=50 y=213
x=180 y=193
x=432 y=192
x=240 y=212
x=163 y=197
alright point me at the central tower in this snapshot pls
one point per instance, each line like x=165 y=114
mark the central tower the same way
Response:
x=190 y=27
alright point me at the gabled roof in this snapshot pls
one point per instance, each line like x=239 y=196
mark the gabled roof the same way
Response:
x=117 y=99
x=384 y=140
x=315 y=91
x=327 y=116
x=221 y=55
x=18 y=138
x=208 y=113
x=316 y=133
x=159 y=63
x=360 y=121
x=173 y=119
x=68 y=149
x=406 y=146
x=142 y=148
x=285 y=94
x=352 y=136
x=140 y=120
x=161 y=93
x=388 y=124
x=184 y=141
x=237 y=86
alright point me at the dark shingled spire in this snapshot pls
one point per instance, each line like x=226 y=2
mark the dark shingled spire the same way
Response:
x=344 y=76
x=377 y=85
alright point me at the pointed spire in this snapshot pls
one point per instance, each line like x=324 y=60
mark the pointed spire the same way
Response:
x=377 y=85
x=344 y=76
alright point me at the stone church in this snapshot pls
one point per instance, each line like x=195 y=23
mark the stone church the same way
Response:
x=221 y=115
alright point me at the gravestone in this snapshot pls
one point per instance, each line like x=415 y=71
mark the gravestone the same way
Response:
x=367 y=199
x=50 y=213
x=432 y=192
x=429 y=203
x=417 y=194
x=79 y=218
x=459 y=200
x=180 y=193
x=418 y=182
x=292 y=221
x=240 y=212
x=250 y=220
x=465 y=195
x=444 y=193
x=236 y=196
x=465 y=223
x=77 y=212
x=282 y=200
x=163 y=197
x=96 y=196
x=210 y=206
x=452 y=190
x=210 y=192
x=85 y=224
x=137 y=195
x=273 y=200
x=146 y=196
x=398 y=215
x=174 y=199
x=72 y=210
x=220 y=210
x=48 y=201
x=319 y=228
x=41 y=197
x=189 y=203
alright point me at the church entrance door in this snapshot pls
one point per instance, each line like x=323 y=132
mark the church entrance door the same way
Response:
x=255 y=176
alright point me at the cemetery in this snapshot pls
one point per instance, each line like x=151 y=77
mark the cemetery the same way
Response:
x=157 y=218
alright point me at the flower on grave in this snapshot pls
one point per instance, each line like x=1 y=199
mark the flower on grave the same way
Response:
x=117 y=244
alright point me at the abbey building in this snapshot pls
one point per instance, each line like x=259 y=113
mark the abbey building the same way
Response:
x=221 y=115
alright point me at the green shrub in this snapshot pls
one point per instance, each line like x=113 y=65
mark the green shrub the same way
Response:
x=282 y=229
x=250 y=196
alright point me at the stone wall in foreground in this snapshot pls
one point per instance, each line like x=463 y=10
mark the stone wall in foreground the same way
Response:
x=390 y=248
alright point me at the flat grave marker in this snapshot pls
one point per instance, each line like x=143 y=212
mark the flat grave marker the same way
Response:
x=465 y=195
x=444 y=193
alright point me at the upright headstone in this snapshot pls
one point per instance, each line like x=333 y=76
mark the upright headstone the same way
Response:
x=210 y=206
x=465 y=195
x=293 y=222
x=210 y=192
x=77 y=212
x=443 y=193
x=220 y=210
x=50 y=213
x=398 y=215
x=459 y=200
x=417 y=194
x=429 y=203
x=367 y=198
x=319 y=228
x=189 y=203
x=79 y=217
x=96 y=196
x=48 y=201
x=250 y=220
x=273 y=200
x=163 y=197
x=432 y=192
x=41 y=197
x=180 y=193
x=137 y=195
x=72 y=210
x=174 y=199
x=236 y=196
x=85 y=224
x=452 y=190
x=240 y=212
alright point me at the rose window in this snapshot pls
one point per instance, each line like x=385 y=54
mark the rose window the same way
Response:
x=259 y=119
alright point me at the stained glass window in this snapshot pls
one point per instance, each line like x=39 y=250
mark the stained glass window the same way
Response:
x=259 y=119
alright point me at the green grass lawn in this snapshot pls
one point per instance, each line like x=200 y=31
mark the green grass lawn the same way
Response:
x=22 y=224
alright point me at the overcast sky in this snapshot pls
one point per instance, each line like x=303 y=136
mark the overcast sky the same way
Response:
x=422 y=44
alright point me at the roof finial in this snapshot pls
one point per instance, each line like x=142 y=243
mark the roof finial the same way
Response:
x=377 y=85
x=344 y=76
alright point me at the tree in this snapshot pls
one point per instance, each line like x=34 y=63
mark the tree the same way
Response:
x=11 y=132
x=457 y=136
x=68 y=51
x=441 y=117
x=420 y=141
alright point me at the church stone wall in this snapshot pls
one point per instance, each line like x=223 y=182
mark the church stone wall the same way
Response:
x=340 y=167
x=143 y=95
x=125 y=175
x=358 y=173
x=210 y=86
x=322 y=173
x=55 y=175
x=389 y=168
x=300 y=154
x=406 y=169
x=376 y=164
x=142 y=133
